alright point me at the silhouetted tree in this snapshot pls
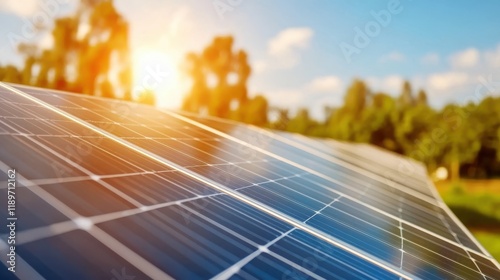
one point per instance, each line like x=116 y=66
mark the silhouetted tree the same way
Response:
x=219 y=76
x=82 y=61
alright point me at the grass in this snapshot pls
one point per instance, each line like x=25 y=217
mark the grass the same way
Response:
x=477 y=204
x=490 y=241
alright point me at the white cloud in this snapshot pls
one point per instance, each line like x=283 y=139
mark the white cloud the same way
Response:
x=21 y=8
x=465 y=59
x=284 y=49
x=430 y=59
x=290 y=39
x=393 y=57
x=447 y=80
x=325 y=84
x=492 y=57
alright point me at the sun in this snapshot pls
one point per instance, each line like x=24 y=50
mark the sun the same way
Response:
x=155 y=70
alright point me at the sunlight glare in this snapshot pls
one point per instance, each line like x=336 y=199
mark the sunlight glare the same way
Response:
x=154 y=70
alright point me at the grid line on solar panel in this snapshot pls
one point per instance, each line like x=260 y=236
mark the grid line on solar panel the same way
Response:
x=101 y=220
x=82 y=169
x=460 y=242
x=440 y=214
x=391 y=173
x=119 y=216
x=263 y=249
x=54 y=180
x=108 y=241
x=376 y=209
x=100 y=235
x=28 y=272
x=337 y=160
x=219 y=187
x=401 y=234
x=95 y=176
x=315 y=165
x=61 y=227
x=387 y=247
x=472 y=244
x=455 y=222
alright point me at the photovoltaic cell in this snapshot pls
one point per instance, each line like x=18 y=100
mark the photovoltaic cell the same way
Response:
x=199 y=198
x=44 y=215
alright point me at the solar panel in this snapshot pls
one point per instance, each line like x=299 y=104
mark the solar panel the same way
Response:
x=119 y=189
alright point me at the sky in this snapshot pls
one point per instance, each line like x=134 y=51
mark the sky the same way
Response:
x=303 y=53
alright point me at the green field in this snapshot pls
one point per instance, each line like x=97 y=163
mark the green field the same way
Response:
x=477 y=204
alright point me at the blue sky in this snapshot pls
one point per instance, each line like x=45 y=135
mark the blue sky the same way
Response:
x=295 y=47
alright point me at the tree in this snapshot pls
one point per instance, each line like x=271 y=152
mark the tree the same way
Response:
x=463 y=137
x=281 y=120
x=355 y=99
x=254 y=111
x=378 y=121
x=421 y=97
x=346 y=123
x=83 y=61
x=219 y=77
x=10 y=74
x=301 y=122
x=406 y=98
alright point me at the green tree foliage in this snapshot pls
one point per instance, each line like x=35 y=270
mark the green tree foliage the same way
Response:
x=421 y=97
x=378 y=121
x=301 y=122
x=406 y=98
x=281 y=118
x=346 y=122
x=466 y=139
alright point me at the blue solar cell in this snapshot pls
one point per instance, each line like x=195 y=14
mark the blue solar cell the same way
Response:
x=361 y=234
x=18 y=151
x=88 y=197
x=151 y=189
x=33 y=212
x=75 y=255
x=327 y=260
x=268 y=267
x=185 y=246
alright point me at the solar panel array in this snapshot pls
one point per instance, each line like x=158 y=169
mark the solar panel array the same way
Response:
x=116 y=190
